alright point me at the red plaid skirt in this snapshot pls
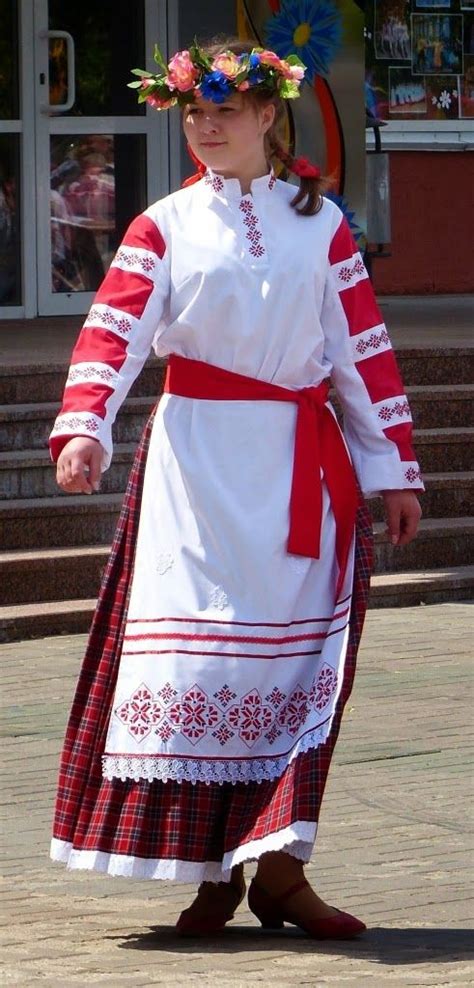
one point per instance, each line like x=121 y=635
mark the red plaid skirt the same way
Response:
x=178 y=822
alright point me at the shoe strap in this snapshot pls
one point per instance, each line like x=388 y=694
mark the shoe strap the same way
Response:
x=293 y=889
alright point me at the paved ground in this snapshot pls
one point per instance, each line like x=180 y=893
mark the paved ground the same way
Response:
x=393 y=844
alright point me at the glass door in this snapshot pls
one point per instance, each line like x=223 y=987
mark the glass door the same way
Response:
x=100 y=157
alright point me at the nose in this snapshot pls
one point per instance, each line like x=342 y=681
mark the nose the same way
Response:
x=209 y=124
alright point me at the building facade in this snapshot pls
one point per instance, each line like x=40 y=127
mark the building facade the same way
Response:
x=420 y=82
x=79 y=157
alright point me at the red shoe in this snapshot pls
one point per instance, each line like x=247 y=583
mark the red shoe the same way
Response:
x=202 y=918
x=273 y=912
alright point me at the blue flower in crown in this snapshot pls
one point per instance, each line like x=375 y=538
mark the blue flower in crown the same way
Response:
x=254 y=60
x=255 y=74
x=215 y=86
x=311 y=29
x=357 y=233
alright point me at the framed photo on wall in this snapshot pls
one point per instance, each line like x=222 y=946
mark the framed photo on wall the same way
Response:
x=437 y=44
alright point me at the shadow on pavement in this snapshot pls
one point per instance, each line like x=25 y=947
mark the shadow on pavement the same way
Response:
x=387 y=945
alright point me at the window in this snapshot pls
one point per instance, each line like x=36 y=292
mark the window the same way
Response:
x=420 y=71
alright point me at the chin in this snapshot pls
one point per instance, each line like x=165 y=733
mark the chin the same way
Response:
x=212 y=159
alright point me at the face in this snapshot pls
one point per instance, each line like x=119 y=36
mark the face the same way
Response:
x=228 y=137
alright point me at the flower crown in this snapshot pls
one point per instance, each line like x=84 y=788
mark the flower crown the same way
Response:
x=192 y=74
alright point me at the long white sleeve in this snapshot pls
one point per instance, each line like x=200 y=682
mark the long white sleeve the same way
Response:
x=377 y=418
x=116 y=338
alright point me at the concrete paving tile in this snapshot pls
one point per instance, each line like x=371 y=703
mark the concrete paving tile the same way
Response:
x=392 y=843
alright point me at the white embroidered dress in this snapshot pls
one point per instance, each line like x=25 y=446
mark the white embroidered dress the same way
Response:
x=234 y=650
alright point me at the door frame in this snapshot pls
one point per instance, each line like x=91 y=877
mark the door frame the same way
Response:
x=35 y=128
x=24 y=127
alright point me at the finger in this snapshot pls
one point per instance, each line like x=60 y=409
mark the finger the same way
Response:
x=393 y=523
x=62 y=475
x=77 y=476
x=95 y=468
x=67 y=485
x=409 y=526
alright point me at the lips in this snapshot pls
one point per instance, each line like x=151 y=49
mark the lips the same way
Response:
x=208 y=144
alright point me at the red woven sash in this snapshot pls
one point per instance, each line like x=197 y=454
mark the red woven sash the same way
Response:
x=318 y=446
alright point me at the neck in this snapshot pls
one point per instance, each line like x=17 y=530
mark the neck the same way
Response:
x=246 y=174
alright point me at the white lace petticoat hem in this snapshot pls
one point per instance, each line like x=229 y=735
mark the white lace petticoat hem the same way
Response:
x=297 y=840
x=154 y=768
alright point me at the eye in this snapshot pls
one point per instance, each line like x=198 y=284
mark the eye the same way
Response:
x=193 y=110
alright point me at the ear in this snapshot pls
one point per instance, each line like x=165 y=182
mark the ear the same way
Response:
x=268 y=116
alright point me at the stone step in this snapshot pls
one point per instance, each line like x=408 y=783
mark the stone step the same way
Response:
x=28 y=575
x=28 y=426
x=67 y=617
x=405 y=589
x=31 y=474
x=76 y=520
x=444 y=450
x=449 y=404
x=35 y=575
x=419 y=365
x=440 y=543
x=430 y=364
x=42 y=383
x=422 y=587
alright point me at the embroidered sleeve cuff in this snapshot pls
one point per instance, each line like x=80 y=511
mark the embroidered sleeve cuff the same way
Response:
x=75 y=424
x=377 y=473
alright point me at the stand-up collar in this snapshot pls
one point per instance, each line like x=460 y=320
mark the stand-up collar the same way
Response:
x=229 y=189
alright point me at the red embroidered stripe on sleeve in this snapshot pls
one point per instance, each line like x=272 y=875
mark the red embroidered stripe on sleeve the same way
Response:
x=401 y=435
x=86 y=397
x=360 y=307
x=379 y=372
x=343 y=245
x=382 y=380
x=99 y=345
x=143 y=232
x=381 y=376
x=127 y=291
x=103 y=341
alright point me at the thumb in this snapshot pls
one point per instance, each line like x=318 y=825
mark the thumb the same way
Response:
x=95 y=464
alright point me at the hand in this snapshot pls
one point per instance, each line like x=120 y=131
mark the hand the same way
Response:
x=79 y=466
x=402 y=514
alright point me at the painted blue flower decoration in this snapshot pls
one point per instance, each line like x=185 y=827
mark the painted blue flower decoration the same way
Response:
x=311 y=29
x=349 y=213
x=215 y=86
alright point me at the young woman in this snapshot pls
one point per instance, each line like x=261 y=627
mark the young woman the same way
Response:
x=224 y=643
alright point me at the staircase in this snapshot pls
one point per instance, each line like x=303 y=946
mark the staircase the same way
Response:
x=54 y=546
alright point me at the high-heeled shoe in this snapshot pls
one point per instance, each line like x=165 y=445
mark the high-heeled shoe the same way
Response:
x=273 y=911
x=207 y=918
